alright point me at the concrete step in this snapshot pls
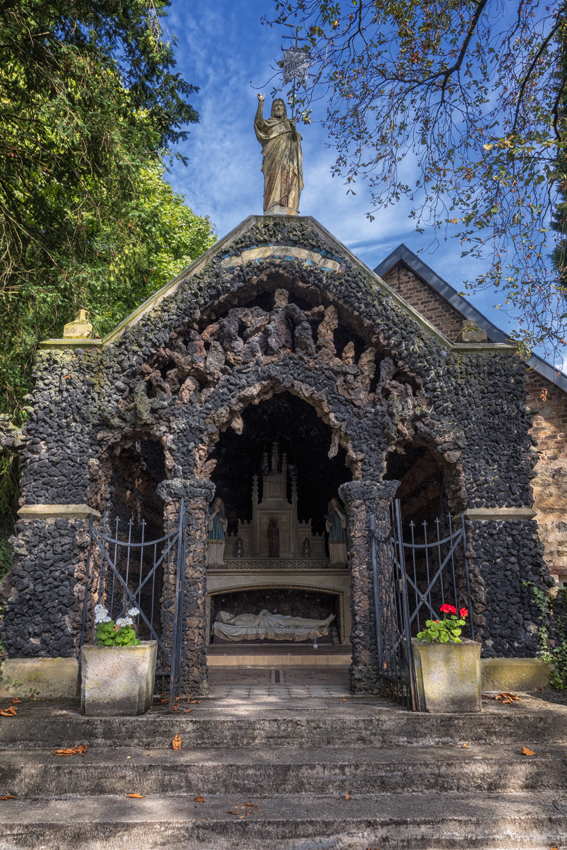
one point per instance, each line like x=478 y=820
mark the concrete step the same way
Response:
x=276 y=771
x=303 y=822
x=313 y=723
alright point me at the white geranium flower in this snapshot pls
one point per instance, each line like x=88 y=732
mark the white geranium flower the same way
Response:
x=133 y=612
x=124 y=621
x=101 y=614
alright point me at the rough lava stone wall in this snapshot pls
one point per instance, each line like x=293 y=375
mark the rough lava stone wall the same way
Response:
x=278 y=307
x=46 y=588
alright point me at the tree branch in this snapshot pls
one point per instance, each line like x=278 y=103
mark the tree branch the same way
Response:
x=529 y=72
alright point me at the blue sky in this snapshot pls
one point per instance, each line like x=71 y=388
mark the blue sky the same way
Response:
x=224 y=49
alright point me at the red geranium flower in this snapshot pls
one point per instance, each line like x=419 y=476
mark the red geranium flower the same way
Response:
x=448 y=609
x=463 y=612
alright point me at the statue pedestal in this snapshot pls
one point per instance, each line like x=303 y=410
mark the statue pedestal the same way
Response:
x=276 y=209
x=216 y=553
x=338 y=553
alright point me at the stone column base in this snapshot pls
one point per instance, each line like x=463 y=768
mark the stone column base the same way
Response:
x=363 y=679
x=194 y=682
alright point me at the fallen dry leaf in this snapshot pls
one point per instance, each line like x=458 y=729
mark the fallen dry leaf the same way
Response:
x=466 y=746
x=8 y=797
x=199 y=799
x=527 y=752
x=231 y=813
x=136 y=796
x=15 y=701
x=71 y=751
x=194 y=700
x=187 y=710
x=254 y=805
x=176 y=743
x=348 y=795
x=9 y=712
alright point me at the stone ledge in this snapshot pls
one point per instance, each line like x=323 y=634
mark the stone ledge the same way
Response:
x=57 y=512
x=513 y=674
x=45 y=677
x=278 y=660
x=497 y=514
x=239 y=564
x=70 y=343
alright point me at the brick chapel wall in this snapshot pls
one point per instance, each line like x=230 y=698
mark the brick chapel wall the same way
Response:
x=547 y=401
x=549 y=404
x=425 y=300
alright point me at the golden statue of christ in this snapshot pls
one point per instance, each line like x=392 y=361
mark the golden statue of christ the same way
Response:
x=282 y=163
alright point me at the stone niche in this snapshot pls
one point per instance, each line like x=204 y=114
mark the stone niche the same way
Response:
x=293 y=602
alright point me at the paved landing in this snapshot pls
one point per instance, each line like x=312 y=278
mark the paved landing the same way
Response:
x=260 y=683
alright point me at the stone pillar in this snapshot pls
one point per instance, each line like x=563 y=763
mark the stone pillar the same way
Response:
x=363 y=498
x=44 y=593
x=504 y=552
x=198 y=494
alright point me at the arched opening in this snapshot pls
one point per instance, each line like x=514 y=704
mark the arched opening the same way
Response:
x=302 y=436
x=428 y=523
x=137 y=469
x=302 y=602
x=136 y=516
x=422 y=491
x=276 y=472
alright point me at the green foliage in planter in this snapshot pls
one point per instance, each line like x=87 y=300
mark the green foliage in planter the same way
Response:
x=445 y=630
x=107 y=635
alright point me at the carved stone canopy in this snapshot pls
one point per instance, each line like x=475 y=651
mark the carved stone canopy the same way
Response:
x=275 y=506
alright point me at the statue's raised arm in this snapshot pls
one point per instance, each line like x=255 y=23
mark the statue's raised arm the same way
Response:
x=282 y=163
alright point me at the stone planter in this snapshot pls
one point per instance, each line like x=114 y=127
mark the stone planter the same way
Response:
x=118 y=680
x=448 y=676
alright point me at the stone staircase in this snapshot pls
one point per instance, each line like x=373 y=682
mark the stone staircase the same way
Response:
x=317 y=774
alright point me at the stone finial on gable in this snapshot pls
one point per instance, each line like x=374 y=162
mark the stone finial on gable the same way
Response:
x=80 y=328
x=471 y=333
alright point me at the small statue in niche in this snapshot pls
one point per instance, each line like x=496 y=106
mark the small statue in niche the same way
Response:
x=306 y=548
x=239 y=550
x=273 y=539
x=335 y=523
x=217 y=533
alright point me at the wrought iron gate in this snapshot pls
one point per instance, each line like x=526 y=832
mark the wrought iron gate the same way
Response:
x=125 y=570
x=412 y=580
